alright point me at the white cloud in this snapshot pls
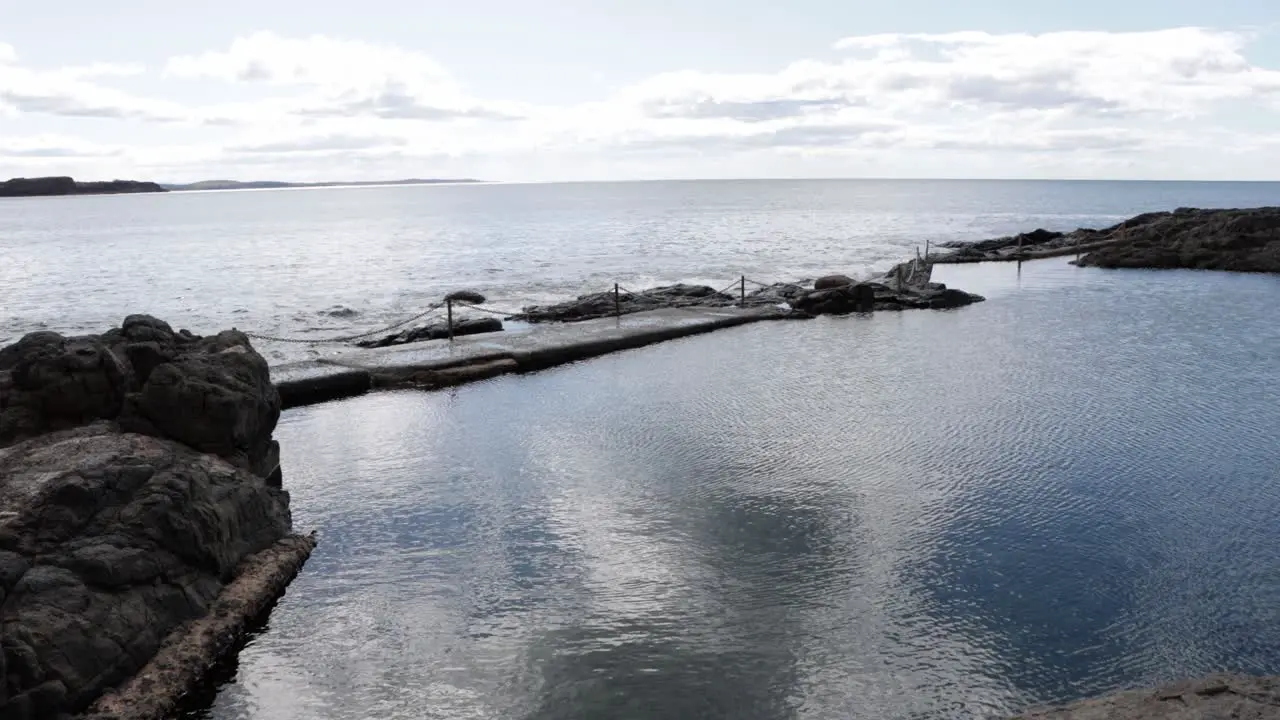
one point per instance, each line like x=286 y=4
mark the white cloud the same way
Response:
x=72 y=92
x=322 y=143
x=103 y=69
x=344 y=78
x=1182 y=71
x=1075 y=100
x=54 y=146
x=316 y=60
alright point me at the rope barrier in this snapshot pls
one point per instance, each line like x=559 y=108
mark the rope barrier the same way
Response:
x=640 y=296
x=436 y=307
x=347 y=338
x=491 y=311
x=730 y=286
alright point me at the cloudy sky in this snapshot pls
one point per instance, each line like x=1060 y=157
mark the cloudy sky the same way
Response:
x=623 y=89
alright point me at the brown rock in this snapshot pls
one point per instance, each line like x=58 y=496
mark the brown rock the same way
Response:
x=1217 y=697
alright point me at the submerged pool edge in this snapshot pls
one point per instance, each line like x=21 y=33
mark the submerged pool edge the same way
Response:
x=442 y=363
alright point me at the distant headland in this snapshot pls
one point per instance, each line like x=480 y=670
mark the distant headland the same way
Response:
x=63 y=185
x=34 y=187
x=273 y=184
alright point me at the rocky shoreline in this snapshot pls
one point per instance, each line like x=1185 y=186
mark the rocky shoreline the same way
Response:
x=1215 y=697
x=48 y=186
x=905 y=287
x=142 y=518
x=1237 y=240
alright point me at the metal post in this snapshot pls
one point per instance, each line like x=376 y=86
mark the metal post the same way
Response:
x=743 y=294
x=617 y=301
x=449 y=304
x=926 y=249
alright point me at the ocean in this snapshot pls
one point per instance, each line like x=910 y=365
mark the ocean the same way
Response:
x=292 y=263
x=1068 y=488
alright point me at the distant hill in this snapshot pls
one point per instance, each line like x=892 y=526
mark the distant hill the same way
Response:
x=269 y=184
x=41 y=186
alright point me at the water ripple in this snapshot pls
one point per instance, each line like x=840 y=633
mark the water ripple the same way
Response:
x=1063 y=490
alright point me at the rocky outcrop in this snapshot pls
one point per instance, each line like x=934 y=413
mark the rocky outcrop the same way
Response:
x=607 y=304
x=1237 y=240
x=34 y=187
x=826 y=282
x=213 y=394
x=873 y=296
x=183 y=659
x=1214 y=698
x=831 y=294
x=137 y=476
x=436 y=331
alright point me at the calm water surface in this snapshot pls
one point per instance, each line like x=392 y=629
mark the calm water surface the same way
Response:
x=1068 y=488
x=277 y=261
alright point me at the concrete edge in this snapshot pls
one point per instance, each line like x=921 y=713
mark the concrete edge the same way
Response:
x=313 y=390
x=184 y=657
x=357 y=380
x=534 y=360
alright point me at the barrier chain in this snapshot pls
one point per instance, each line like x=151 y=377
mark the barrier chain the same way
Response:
x=347 y=338
x=740 y=284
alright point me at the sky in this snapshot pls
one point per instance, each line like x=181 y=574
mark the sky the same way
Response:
x=612 y=90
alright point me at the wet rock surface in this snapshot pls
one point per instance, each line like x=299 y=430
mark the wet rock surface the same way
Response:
x=1244 y=240
x=1217 y=697
x=436 y=331
x=137 y=473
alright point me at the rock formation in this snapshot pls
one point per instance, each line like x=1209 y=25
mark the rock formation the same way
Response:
x=437 y=331
x=34 y=187
x=826 y=282
x=831 y=294
x=873 y=296
x=137 y=473
x=1216 y=697
x=1237 y=240
x=605 y=304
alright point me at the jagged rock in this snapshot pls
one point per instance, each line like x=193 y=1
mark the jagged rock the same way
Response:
x=587 y=307
x=826 y=282
x=437 y=331
x=869 y=296
x=137 y=470
x=1216 y=697
x=1236 y=240
x=775 y=294
x=838 y=300
x=108 y=541
x=1246 y=240
x=213 y=394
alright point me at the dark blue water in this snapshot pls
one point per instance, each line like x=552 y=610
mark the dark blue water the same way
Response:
x=1069 y=488
x=275 y=261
